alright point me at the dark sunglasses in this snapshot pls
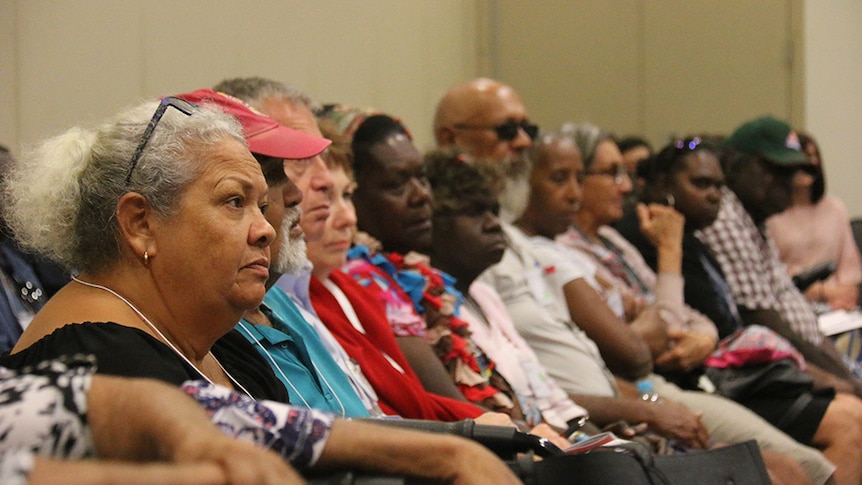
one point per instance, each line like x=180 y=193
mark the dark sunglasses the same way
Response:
x=508 y=131
x=181 y=105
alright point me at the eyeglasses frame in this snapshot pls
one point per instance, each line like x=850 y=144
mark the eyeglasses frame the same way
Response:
x=617 y=174
x=181 y=105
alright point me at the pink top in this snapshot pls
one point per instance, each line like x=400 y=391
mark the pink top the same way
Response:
x=812 y=234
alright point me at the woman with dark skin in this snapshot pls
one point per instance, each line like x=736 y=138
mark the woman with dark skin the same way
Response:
x=692 y=175
x=468 y=239
x=699 y=201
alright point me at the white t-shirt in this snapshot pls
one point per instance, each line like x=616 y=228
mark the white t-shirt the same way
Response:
x=541 y=317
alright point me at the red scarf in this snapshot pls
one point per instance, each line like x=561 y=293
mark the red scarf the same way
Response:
x=399 y=393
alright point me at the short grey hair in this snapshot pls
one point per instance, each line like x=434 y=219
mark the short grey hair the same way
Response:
x=254 y=90
x=61 y=198
x=586 y=137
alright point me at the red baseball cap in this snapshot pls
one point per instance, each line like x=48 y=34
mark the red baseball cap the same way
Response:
x=263 y=134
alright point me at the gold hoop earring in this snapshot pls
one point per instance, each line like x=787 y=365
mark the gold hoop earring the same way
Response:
x=146 y=258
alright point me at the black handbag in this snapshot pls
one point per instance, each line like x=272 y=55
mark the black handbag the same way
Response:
x=739 y=464
x=780 y=378
x=630 y=464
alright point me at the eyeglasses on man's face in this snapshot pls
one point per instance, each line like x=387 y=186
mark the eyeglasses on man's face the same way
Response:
x=617 y=172
x=508 y=131
x=181 y=105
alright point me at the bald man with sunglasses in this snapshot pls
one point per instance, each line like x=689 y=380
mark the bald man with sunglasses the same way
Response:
x=487 y=120
x=484 y=118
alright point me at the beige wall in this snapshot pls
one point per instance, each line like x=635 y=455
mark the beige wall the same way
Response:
x=8 y=75
x=80 y=61
x=833 y=83
x=654 y=67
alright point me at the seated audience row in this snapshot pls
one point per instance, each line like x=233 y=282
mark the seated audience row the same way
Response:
x=486 y=118
x=689 y=338
x=187 y=235
x=184 y=202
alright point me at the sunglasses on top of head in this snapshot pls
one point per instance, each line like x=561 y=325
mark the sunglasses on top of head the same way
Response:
x=170 y=101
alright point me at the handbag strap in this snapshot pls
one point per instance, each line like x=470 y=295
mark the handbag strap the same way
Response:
x=793 y=411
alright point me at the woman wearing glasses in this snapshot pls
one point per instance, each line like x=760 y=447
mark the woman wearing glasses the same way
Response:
x=163 y=218
x=652 y=303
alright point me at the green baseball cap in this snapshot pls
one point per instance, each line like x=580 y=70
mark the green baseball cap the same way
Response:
x=769 y=138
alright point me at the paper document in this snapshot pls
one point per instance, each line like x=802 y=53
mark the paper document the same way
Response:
x=839 y=321
x=605 y=438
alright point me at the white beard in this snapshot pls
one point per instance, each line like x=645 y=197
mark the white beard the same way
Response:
x=514 y=198
x=292 y=253
x=511 y=178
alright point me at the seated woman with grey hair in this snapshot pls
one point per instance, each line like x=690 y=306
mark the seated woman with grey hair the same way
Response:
x=162 y=217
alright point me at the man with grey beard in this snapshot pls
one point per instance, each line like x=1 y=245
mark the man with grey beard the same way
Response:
x=277 y=328
x=285 y=329
x=487 y=120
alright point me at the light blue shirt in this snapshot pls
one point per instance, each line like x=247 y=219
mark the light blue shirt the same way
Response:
x=296 y=287
x=300 y=360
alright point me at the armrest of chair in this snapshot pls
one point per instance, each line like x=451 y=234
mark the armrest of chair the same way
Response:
x=818 y=272
x=505 y=441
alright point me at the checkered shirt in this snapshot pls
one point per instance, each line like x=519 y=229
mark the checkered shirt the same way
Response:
x=756 y=275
